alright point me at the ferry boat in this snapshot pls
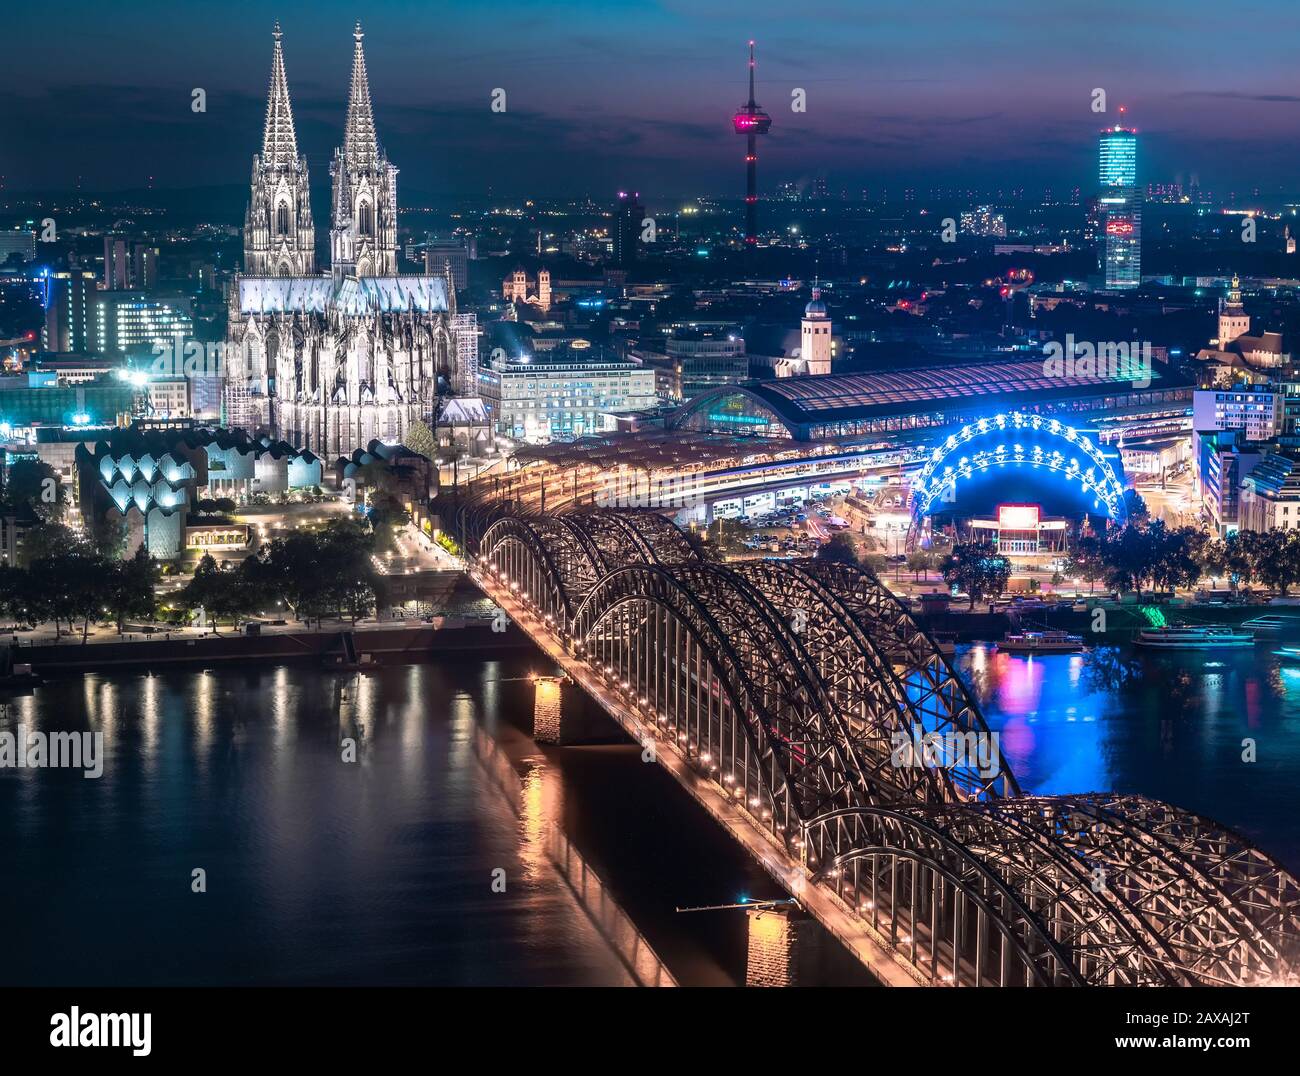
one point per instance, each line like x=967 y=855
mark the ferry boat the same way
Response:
x=1041 y=642
x=1199 y=637
x=1271 y=624
x=1288 y=653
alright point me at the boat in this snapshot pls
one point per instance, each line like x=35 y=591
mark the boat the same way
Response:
x=945 y=642
x=1288 y=653
x=1041 y=642
x=1272 y=624
x=1200 y=637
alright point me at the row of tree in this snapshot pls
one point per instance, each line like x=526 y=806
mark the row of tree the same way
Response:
x=75 y=583
x=315 y=573
x=1147 y=554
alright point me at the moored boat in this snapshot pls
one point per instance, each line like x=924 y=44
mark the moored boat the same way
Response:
x=1272 y=624
x=945 y=642
x=1041 y=642
x=1196 y=637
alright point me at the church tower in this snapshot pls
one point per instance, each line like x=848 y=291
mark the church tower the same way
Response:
x=363 y=238
x=1233 y=319
x=279 y=239
x=815 y=336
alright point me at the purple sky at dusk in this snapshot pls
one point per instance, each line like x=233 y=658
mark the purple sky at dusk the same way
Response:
x=610 y=94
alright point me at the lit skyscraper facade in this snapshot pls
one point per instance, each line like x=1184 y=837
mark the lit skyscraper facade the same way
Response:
x=1121 y=207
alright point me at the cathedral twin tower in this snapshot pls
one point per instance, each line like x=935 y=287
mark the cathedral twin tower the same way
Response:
x=279 y=238
x=330 y=361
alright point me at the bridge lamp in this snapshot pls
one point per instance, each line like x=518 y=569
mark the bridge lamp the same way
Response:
x=729 y=778
x=706 y=757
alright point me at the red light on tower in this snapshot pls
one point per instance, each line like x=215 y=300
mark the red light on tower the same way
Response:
x=751 y=121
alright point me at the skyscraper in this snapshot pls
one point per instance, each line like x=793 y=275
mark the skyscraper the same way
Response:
x=751 y=121
x=1121 y=207
x=628 y=215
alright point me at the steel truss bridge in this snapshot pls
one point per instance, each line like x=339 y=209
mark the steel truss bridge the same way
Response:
x=779 y=693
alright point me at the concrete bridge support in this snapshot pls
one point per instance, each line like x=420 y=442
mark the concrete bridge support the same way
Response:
x=548 y=709
x=785 y=948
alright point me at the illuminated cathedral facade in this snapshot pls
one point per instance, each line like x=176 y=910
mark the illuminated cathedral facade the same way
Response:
x=332 y=360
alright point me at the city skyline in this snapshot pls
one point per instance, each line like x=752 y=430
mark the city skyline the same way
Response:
x=644 y=97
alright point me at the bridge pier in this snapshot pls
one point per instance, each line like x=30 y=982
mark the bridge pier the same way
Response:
x=785 y=948
x=548 y=709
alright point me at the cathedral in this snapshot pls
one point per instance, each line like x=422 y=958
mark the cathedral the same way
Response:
x=331 y=360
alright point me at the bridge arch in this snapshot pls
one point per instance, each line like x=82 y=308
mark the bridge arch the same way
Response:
x=887 y=703
x=668 y=633
x=966 y=878
x=992 y=443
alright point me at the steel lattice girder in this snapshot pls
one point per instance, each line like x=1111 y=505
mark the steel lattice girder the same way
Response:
x=935 y=693
x=1180 y=898
x=653 y=585
x=783 y=703
x=848 y=650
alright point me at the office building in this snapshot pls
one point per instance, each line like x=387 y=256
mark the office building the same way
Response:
x=628 y=216
x=1120 y=205
x=562 y=394
x=17 y=241
x=69 y=311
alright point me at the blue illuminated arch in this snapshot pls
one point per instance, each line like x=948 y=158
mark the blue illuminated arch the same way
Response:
x=1081 y=460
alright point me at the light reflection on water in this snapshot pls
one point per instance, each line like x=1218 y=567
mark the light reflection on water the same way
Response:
x=1166 y=725
x=318 y=871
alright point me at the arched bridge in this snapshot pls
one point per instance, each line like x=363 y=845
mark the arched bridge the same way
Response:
x=806 y=708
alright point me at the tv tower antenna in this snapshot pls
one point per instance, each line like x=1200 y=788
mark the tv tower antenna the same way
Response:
x=751 y=121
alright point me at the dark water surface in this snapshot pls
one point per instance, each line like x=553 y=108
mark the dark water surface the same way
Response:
x=1168 y=725
x=380 y=871
x=321 y=871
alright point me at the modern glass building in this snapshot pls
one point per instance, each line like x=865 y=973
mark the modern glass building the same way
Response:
x=1121 y=208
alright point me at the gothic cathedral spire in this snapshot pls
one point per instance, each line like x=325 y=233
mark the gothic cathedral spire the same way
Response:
x=279 y=239
x=363 y=236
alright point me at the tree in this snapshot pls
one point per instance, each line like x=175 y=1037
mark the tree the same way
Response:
x=1279 y=559
x=47 y=540
x=20 y=599
x=978 y=569
x=1212 y=558
x=1086 y=560
x=1243 y=554
x=318 y=572
x=1135 y=507
x=35 y=485
x=131 y=588
x=419 y=438
x=838 y=549
x=222 y=592
x=920 y=561
x=107 y=535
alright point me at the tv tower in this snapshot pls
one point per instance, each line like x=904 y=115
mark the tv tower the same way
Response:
x=751 y=121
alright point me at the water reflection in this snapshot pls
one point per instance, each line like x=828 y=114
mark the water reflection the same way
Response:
x=319 y=870
x=1168 y=725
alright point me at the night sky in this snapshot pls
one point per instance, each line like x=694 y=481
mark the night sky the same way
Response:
x=604 y=94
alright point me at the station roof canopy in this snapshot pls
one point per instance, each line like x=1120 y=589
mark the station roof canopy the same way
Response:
x=801 y=403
